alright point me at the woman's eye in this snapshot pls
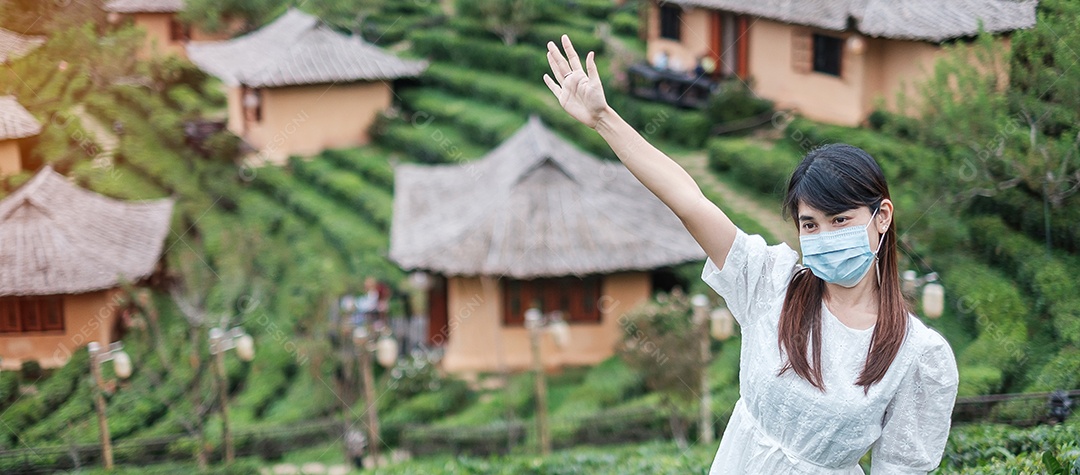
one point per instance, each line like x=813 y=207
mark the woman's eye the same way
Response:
x=808 y=226
x=840 y=220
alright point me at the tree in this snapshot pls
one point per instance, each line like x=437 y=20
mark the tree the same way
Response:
x=216 y=15
x=509 y=19
x=655 y=342
x=1005 y=118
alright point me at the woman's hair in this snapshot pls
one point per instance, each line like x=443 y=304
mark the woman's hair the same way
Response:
x=837 y=178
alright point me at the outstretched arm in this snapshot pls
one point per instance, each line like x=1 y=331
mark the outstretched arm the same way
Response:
x=581 y=94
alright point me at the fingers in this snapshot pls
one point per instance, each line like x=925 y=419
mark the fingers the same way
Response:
x=590 y=63
x=555 y=59
x=571 y=55
x=551 y=84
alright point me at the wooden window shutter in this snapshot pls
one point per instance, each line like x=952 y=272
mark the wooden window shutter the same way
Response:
x=802 y=50
x=742 y=68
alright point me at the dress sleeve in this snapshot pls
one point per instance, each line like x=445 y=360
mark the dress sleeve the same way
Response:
x=754 y=276
x=916 y=423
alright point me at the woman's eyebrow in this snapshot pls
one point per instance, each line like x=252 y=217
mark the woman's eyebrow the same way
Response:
x=806 y=218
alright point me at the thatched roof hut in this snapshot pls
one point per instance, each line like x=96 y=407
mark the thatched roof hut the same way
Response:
x=144 y=6
x=924 y=20
x=61 y=239
x=15 y=121
x=14 y=45
x=536 y=206
x=298 y=49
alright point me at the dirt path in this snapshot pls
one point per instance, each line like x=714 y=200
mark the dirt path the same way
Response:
x=697 y=165
x=104 y=137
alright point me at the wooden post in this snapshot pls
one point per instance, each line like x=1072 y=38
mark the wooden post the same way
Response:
x=369 y=399
x=541 y=392
x=706 y=429
x=99 y=405
x=699 y=303
x=223 y=396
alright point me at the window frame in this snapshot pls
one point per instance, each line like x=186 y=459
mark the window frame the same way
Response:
x=829 y=45
x=31 y=314
x=577 y=297
x=670 y=21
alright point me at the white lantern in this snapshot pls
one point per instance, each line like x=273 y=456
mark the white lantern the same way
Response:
x=907 y=282
x=245 y=347
x=560 y=332
x=533 y=318
x=420 y=280
x=933 y=299
x=122 y=364
x=722 y=324
x=856 y=44
x=386 y=351
x=359 y=334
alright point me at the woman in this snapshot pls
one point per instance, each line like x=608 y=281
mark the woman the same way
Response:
x=833 y=364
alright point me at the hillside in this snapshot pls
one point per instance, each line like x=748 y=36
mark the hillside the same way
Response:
x=270 y=248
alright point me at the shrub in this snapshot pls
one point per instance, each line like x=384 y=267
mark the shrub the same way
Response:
x=764 y=170
x=523 y=61
x=625 y=23
x=734 y=101
x=30 y=371
x=1000 y=317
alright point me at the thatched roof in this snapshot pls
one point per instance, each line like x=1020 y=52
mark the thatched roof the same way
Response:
x=144 y=6
x=535 y=206
x=61 y=239
x=14 y=45
x=15 y=121
x=926 y=20
x=298 y=49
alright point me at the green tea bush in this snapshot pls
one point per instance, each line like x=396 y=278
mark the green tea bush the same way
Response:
x=372 y=166
x=765 y=170
x=1000 y=317
x=488 y=125
x=517 y=95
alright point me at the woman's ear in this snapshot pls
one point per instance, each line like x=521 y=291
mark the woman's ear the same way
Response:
x=884 y=216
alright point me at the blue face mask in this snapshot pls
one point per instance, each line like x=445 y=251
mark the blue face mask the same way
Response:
x=840 y=257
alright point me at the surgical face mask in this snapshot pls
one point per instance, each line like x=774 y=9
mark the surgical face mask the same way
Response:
x=840 y=257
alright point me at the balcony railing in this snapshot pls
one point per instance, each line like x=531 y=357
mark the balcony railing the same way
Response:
x=677 y=88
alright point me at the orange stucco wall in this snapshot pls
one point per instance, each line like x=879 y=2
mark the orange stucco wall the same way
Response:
x=694 y=38
x=822 y=97
x=87 y=317
x=10 y=161
x=157 y=41
x=876 y=76
x=479 y=342
x=158 y=38
x=305 y=120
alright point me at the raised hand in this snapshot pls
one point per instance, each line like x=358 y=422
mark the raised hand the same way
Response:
x=578 y=89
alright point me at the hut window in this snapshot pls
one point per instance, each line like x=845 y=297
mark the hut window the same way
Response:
x=177 y=30
x=576 y=297
x=31 y=314
x=670 y=21
x=827 y=53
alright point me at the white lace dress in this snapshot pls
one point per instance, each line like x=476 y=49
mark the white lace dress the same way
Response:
x=783 y=425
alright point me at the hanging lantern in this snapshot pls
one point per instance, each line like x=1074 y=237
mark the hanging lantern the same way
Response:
x=699 y=303
x=122 y=364
x=386 y=351
x=560 y=332
x=245 y=347
x=420 y=280
x=907 y=282
x=856 y=44
x=722 y=324
x=933 y=300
